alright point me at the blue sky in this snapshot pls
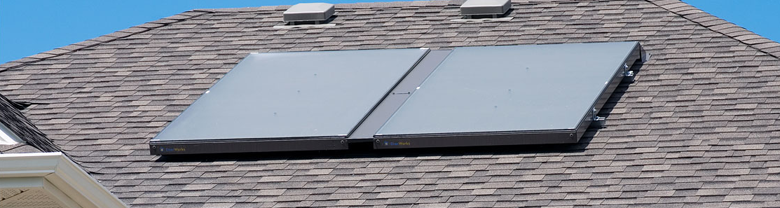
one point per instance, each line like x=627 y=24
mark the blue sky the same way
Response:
x=28 y=27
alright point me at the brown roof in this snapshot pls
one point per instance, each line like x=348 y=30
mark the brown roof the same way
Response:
x=697 y=128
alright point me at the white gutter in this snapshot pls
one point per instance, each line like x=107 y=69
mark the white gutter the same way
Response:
x=58 y=175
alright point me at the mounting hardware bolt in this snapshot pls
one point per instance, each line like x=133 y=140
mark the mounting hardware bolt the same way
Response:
x=597 y=121
x=628 y=76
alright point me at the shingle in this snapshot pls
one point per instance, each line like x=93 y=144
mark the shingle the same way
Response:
x=695 y=129
x=32 y=139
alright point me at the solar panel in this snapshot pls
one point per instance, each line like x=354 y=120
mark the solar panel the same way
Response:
x=402 y=98
x=287 y=101
x=529 y=94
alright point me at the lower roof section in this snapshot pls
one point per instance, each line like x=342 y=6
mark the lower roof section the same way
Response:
x=21 y=135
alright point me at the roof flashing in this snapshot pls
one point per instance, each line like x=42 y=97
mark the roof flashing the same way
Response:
x=309 y=13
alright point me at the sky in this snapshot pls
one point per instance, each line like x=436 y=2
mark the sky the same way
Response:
x=28 y=27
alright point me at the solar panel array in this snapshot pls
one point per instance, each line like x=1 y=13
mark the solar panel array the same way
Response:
x=471 y=96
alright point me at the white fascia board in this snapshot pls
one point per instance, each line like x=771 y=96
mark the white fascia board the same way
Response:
x=62 y=173
x=28 y=164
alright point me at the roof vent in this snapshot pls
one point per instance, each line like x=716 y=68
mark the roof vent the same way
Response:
x=484 y=8
x=309 y=13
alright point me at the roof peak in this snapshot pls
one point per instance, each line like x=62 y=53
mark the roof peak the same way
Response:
x=676 y=7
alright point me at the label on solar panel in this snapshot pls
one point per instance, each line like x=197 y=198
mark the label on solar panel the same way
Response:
x=293 y=95
x=500 y=89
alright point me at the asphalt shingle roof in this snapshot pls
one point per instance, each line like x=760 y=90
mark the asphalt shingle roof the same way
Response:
x=32 y=139
x=697 y=128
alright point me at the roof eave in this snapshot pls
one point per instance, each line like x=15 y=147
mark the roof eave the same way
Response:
x=54 y=171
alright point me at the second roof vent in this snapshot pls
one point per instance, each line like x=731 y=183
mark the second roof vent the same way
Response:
x=482 y=8
x=309 y=13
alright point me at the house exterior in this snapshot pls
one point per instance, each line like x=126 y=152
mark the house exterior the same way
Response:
x=697 y=128
x=34 y=172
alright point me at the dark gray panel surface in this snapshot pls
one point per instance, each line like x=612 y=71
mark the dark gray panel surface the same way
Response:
x=293 y=95
x=400 y=93
x=510 y=88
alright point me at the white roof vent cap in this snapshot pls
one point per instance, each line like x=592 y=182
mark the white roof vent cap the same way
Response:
x=493 y=8
x=309 y=12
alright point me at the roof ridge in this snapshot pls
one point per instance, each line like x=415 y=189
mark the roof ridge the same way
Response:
x=677 y=7
x=101 y=39
x=342 y=5
x=375 y=5
x=719 y=25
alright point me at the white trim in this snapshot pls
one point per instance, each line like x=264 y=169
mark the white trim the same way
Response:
x=66 y=180
x=35 y=183
x=7 y=137
x=20 y=183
